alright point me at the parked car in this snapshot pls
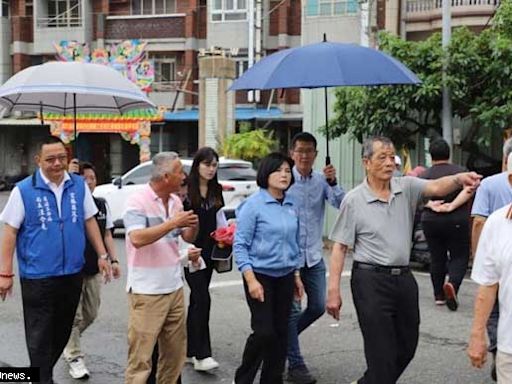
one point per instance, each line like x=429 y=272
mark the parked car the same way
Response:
x=237 y=177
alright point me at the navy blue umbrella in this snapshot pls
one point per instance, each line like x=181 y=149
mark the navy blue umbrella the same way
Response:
x=325 y=65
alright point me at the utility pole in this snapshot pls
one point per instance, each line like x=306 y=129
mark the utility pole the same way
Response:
x=446 y=116
x=250 y=45
x=258 y=39
x=365 y=24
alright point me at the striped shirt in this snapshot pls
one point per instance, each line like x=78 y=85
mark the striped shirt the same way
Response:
x=155 y=268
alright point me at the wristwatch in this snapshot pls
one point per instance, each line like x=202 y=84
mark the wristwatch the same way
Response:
x=104 y=256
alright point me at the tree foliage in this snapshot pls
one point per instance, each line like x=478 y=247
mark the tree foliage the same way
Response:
x=479 y=74
x=250 y=145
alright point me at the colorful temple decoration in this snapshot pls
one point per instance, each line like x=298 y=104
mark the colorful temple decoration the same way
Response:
x=126 y=57
x=134 y=126
x=72 y=51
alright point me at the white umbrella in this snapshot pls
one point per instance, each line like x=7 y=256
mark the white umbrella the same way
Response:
x=71 y=87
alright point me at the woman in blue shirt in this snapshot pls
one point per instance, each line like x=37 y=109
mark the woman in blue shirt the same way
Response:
x=266 y=249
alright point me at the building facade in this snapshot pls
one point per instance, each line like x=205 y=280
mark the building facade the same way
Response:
x=176 y=32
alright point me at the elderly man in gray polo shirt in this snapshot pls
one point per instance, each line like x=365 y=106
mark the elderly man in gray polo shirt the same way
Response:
x=375 y=222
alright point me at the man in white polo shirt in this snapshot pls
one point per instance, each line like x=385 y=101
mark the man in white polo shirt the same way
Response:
x=154 y=219
x=492 y=269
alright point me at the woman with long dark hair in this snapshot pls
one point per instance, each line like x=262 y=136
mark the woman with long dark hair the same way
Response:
x=205 y=198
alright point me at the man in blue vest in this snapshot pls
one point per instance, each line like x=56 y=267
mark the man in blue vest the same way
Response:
x=46 y=219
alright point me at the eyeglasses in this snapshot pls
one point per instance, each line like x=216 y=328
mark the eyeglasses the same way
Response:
x=305 y=152
x=53 y=159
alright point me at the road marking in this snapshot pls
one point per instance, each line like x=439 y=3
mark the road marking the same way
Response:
x=235 y=283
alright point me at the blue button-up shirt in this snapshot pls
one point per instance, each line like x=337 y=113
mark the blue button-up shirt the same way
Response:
x=310 y=194
x=266 y=237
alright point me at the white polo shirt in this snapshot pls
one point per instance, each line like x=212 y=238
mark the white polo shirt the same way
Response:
x=493 y=265
x=14 y=211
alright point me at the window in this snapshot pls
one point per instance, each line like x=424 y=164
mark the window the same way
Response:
x=4 y=10
x=64 y=13
x=165 y=68
x=29 y=8
x=236 y=172
x=331 y=7
x=229 y=10
x=153 y=7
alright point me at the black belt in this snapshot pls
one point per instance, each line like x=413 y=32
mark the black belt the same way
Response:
x=391 y=270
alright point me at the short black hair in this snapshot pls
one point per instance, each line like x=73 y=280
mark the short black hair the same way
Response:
x=439 y=150
x=47 y=141
x=86 y=165
x=269 y=164
x=303 y=136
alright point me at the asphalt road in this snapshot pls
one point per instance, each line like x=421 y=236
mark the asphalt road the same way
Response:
x=333 y=350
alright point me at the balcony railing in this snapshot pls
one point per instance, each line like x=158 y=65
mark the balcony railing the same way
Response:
x=60 y=22
x=414 y=6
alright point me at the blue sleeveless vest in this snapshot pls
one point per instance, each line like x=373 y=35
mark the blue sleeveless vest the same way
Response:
x=48 y=245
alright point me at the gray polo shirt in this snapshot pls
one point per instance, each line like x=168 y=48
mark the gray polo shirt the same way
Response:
x=379 y=232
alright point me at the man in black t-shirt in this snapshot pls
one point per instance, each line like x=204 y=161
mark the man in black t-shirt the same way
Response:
x=89 y=304
x=447 y=229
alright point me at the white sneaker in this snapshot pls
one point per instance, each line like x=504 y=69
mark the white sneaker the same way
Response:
x=77 y=369
x=205 y=364
x=190 y=360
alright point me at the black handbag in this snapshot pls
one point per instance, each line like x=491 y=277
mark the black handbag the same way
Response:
x=222 y=258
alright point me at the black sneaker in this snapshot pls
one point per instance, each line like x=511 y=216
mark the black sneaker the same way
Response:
x=300 y=375
x=451 y=296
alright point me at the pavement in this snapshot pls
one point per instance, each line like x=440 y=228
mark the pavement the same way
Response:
x=333 y=350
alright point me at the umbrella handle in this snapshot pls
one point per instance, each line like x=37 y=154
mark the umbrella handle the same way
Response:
x=327 y=157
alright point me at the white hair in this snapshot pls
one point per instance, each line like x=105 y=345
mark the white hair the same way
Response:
x=161 y=163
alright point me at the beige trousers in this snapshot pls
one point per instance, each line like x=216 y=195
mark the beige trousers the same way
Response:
x=86 y=313
x=155 y=318
x=504 y=367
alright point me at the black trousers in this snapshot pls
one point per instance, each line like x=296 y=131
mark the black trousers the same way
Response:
x=198 y=318
x=388 y=314
x=269 y=322
x=49 y=307
x=448 y=242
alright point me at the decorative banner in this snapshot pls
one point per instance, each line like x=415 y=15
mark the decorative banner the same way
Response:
x=136 y=132
x=126 y=57
x=133 y=115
